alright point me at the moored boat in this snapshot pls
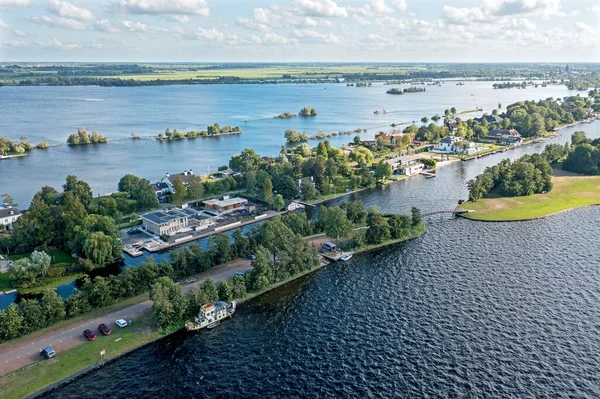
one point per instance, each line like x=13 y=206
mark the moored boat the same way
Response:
x=211 y=315
x=346 y=257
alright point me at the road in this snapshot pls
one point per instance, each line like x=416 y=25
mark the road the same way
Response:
x=14 y=357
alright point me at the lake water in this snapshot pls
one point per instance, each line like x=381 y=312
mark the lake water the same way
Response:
x=53 y=113
x=469 y=310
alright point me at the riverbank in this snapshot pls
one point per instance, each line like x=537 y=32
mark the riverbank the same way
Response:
x=41 y=376
x=570 y=191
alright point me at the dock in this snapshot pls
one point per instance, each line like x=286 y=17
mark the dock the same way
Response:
x=335 y=256
x=429 y=174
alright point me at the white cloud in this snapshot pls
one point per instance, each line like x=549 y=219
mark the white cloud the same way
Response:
x=270 y=38
x=57 y=44
x=361 y=20
x=400 y=5
x=328 y=38
x=490 y=10
x=18 y=33
x=166 y=7
x=68 y=10
x=3 y=25
x=179 y=18
x=14 y=3
x=595 y=8
x=13 y=43
x=141 y=27
x=211 y=34
x=266 y=20
x=261 y=20
x=106 y=26
x=585 y=28
x=59 y=22
x=522 y=23
x=321 y=8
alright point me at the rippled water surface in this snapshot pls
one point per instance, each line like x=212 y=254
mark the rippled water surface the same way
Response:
x=468 y=310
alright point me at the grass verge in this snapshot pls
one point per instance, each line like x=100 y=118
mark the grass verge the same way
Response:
x=33 y=378
x=568 y=192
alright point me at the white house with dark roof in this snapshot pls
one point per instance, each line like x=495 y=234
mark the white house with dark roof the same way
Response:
x=8 y=216
x=169 y=180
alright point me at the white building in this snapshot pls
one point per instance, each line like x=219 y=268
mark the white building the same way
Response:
x=448 y=144
x=8 y=216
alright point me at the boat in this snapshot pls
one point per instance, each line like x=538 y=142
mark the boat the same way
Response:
x=346 y=257
x=211 y=315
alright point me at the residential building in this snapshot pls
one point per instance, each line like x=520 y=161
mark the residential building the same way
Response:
x=504 y=136
x=8 y=216
x=226 y=204
x=448 y=144
x=167 y=221
x=411 y=169
x=393 y=137
x=292 y=205
x=489 y=119
x=160 y=189
x=169 y=180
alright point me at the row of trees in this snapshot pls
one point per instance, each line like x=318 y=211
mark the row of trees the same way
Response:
x=82 y=138
x=8 y=146
x=584 y=155
x=530 y=174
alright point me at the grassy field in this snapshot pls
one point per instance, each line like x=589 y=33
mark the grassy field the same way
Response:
x=29 y=380
x=58 y=257
x=568 y=192
x=185 y=72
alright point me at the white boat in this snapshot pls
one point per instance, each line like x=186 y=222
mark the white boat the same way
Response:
x=211 y=315
x=346 y=257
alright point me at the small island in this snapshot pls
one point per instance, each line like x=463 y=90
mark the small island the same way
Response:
x=12 y=148
x=530 y=188
x=407 y=90
x=308 y=111
x=82 y=138
x=285 y=115
x=211 y=131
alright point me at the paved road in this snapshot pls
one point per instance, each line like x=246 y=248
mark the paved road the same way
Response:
x=14 y=357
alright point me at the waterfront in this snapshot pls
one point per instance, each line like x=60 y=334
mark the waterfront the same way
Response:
x=53 y=113
x=468 y=310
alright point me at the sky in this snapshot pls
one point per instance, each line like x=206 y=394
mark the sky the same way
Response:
x=300 y=30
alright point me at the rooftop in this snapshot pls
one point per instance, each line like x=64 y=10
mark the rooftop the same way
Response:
x=6 y=212
x=166 y=216
x=503 y=132
x=226 y=202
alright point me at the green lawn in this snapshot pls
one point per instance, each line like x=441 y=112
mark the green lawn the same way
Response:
x=568 y=192
x=58 y=257
x=27 y=381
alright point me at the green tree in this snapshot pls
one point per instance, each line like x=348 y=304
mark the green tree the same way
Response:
x=225 y=291
x=308 y=190
x=424 y=119
x=8 y=200
x=453 y=110
x=383 y=171
x=180 y=192
x=268 y=191
x=195 y=188
x=80 y=189
x=287 y=187
x=129 y=184
x=209 y=288
x=278 y=203
x=98 y=248
x=40 y=261
x=196 y=298
x=378 y=231
x=239 y=287
x=53 y=307
x=361 y=155
x=336 y=223
x=415 y=215
x=33 y=318
x=579 y=137
x=169 y=305
x=261 y=276
x=355 y=210
x=11 y=322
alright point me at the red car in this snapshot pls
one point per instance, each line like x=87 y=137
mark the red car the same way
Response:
x=89 y=334
x=103 y=328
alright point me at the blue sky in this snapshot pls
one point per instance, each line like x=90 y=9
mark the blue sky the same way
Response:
x=300 y=30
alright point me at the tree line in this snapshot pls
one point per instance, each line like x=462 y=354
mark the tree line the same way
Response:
x=583 y=155
x=8 y=146
x=82 y=138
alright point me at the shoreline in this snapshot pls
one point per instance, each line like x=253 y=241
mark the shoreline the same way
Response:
x=249 y=297
x=463 y=215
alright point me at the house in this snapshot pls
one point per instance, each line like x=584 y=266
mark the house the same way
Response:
x=170 y=179
x=160 y=189
x=504 y=136
x=8 y=216
x=488 y=118
x=393 y=137
x=292 y=205
x=308 y=180
x=411 y=169
x=226 y=204
x=167 y=221
x=448 y=144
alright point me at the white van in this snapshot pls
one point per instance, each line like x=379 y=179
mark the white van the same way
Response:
x=328 y=246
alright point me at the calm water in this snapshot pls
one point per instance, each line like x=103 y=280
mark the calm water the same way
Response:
x=53 y=113
x=469 y=310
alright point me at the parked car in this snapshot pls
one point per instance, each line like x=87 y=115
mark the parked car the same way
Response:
x=89 y=334
x=241 y=274
x=328 y=246
x=121 y=323
x=251 y=256
x=103 y=328
x=47 y=352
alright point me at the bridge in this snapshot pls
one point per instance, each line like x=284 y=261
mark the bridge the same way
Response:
x=441 y=211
